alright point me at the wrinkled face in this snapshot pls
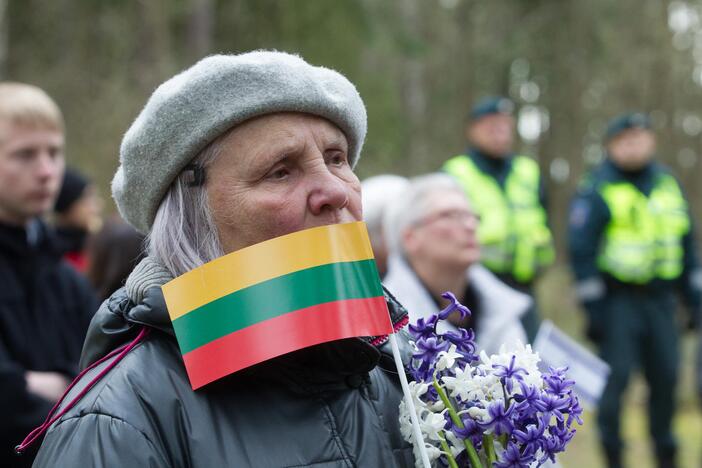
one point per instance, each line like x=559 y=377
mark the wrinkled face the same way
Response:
x=31 y=170
x=446 y=234
x=493 y=134
x=279 y=174
x=632 y=149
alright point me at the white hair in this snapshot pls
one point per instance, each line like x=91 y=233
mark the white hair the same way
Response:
x=183 y=235
x=378 y=192
x=412 y=204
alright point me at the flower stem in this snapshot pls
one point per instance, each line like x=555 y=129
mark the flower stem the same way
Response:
x=472 y=454
x=488 y=443
x=447 y=451
x=470 y=449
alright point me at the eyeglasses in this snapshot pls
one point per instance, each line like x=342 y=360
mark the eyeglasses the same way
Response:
x=455 y=216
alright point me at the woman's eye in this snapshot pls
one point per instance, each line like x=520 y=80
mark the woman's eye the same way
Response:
x=279 y=174
x=337 y=159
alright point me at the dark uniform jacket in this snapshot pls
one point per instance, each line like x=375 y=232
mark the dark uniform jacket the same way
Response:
x=332 y=405
x=45 y=309
x=589 y=218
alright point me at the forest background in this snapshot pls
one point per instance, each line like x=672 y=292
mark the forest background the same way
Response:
x=419 y=65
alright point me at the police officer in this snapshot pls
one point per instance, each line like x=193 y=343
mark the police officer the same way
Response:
x=507 y=192
x=632 y=246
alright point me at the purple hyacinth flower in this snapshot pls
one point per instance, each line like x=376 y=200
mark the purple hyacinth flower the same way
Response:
x=532 y=437
x=551 y=446
x=431 y=395
x=424 y=328
x=560 y=437
x=464 y=339
x=500 y=418
x=471 y=430
x=507 y=373
x=455 y=306
x=512 y=457
x=429 y=348
x=527 y=398
x=425 y=358
x=556 y=381
x=575 y=411
x=552 y=405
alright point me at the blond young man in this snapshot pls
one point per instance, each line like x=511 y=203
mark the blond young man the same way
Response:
x=45 y=306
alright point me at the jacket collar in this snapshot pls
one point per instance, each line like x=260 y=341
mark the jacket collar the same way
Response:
x=26 y=241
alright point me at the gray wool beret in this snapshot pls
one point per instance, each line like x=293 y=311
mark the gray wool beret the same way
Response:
x=193 y=108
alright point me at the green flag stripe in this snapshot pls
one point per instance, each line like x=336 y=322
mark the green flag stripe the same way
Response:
x=275 y=297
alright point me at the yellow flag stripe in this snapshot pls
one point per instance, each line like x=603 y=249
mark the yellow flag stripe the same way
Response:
x=264 y=261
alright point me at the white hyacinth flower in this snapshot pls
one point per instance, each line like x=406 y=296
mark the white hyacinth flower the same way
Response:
x=447 y=359
x=433 y=453
x=464 y=385
x=432 y=425
x=524 y=358
x=478 y=414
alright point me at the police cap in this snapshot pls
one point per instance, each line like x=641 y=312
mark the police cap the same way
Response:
x=491 y=105
x=625 y=122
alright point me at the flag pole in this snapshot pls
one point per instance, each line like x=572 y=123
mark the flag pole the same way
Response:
x=418 y=439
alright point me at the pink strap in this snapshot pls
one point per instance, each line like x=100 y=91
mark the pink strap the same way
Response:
x=120 y=352
x=379 y=340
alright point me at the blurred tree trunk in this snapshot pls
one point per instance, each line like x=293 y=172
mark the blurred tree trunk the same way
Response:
x=200 y=27
x=153 y=55
x=4 y=39
x=564 y=61
x=412 y=83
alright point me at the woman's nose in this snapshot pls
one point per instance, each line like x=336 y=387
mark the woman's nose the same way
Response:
x=328 y=193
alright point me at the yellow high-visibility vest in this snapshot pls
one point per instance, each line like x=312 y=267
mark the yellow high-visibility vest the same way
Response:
x=513 y=233
x=643 y=239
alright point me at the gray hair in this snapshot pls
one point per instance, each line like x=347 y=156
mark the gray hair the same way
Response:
x=413 y=204
x=378 y=192
x=183 y=235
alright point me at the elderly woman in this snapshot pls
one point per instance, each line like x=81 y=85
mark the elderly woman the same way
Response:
x=431 y=231
x=231 y=152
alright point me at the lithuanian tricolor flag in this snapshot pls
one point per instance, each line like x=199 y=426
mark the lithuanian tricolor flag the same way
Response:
x=284 y=294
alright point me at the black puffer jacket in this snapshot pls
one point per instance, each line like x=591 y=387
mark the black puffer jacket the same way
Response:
x=45 y=309
x=332 y=405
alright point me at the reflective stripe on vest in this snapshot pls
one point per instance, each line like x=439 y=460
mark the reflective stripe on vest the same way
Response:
x=513 y=234
x=643 y=239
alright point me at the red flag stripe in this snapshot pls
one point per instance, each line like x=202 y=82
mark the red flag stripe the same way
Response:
x=280 y=335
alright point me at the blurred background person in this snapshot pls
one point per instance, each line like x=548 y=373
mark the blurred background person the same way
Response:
x=632 y=246
x=508 y=193
x=378 y=192
x=431 y=228
x=45 y=306
x=112 y=254
x=77 y=214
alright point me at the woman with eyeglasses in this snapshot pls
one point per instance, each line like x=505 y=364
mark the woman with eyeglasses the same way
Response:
x=431 y=231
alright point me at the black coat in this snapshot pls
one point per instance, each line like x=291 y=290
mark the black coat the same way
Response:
x=332 y=405
x=45 y=309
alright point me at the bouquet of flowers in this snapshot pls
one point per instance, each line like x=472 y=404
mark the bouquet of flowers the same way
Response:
x=476 y=410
